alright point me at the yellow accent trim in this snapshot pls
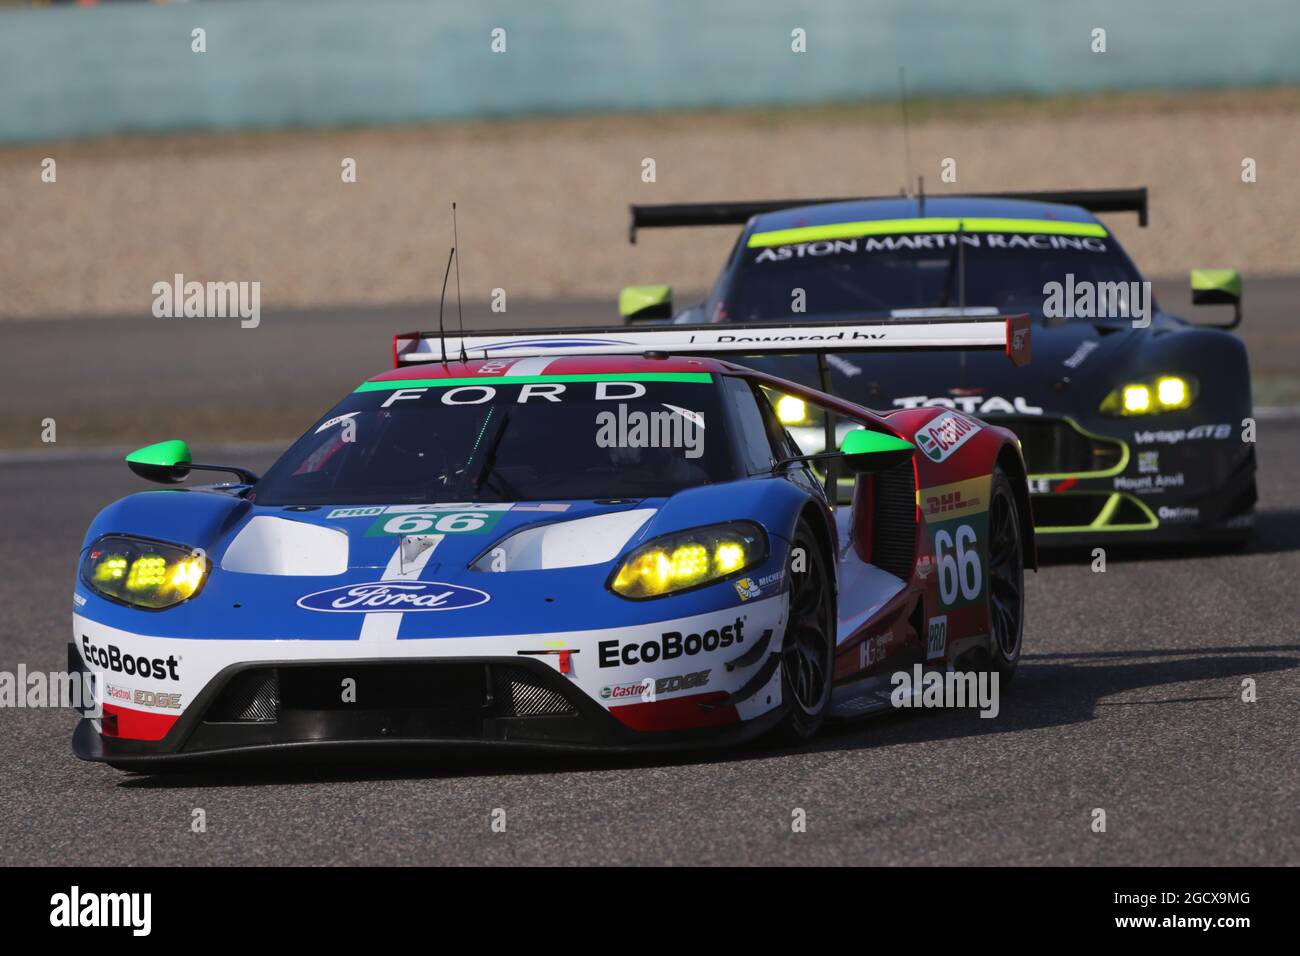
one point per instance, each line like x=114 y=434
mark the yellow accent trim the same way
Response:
x=1108 y=473
x=881 y=227
x=1217 y=280
x=1099 y=522
x=634 y=298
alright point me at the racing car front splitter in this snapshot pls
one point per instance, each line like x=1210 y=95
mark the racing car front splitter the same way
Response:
x=700 y=681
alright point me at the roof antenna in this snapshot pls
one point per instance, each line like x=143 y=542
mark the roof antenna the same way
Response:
x=920 y=196
x=907 y=138
x=442 y=335
x=460 y=315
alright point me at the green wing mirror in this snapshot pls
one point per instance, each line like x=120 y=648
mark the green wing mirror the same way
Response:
x=866 y=451
x=641 y=303
x=169 y=463
x=1218 y=287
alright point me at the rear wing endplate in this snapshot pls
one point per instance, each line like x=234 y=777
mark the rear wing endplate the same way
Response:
x=735 y=213
x=1003 y=333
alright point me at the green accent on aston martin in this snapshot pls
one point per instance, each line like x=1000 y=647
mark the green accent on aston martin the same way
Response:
x=881 y=227
x=163 y=454
x=637 y=298
x=1107 y=473
x=863 y=441
x=1227 y=281
x=388 y=385
x=1101 y=522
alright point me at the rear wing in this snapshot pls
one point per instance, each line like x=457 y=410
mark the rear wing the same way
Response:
x=1003 y=333
x=736 y=213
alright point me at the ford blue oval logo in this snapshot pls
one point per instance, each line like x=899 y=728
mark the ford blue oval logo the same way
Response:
x=376 y=597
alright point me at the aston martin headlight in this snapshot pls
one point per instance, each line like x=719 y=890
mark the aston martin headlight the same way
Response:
x=791 y=410
x=143 y=573
x=1173 y=392
x=1167 y=393
x=688 y=559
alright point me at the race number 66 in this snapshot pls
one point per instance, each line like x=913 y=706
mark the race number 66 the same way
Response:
x=959 y=566
x=460 y=522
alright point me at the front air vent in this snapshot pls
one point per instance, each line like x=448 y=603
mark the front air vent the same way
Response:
x=520 y=694
x=252 y=696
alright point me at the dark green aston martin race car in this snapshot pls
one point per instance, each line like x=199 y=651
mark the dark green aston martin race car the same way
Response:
x=1134 y=422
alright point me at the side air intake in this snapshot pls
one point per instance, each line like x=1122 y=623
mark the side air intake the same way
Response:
x=893 y=520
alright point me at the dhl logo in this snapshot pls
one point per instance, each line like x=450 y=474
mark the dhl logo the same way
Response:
x=957 y=499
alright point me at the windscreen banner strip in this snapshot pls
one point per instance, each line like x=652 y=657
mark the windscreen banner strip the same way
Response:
x=884 y=227
x=384 y=385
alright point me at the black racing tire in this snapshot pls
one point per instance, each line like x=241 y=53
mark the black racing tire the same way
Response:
x=808 y=645
x=1006 y=579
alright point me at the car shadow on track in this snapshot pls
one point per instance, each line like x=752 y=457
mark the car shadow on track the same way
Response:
x=1051 y=690
x=1054 y=690
x=1277 y=531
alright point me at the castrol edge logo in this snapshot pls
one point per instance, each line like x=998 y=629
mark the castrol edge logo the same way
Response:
x=945 y=435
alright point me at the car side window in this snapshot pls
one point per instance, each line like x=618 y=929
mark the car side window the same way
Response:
x=753 y=439
x=781 y=439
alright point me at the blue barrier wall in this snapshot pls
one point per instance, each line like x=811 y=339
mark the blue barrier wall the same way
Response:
x=67 y=72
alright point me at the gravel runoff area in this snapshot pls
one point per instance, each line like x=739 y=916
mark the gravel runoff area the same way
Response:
x=543 y=201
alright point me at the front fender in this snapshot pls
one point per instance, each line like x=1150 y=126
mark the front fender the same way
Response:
x=194 y=518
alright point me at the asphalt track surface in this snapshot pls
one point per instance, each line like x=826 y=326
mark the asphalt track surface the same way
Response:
x=1128 y=700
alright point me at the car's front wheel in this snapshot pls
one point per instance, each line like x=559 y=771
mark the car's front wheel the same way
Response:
x=808 y=648
x=1006 y=563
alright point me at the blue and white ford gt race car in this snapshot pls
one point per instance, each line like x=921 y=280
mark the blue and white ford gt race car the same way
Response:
x=579 y=539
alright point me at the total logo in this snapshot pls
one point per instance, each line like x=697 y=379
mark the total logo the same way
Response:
x=670 y=646
x=111 y=658
x=973 y=404
x=945 y=435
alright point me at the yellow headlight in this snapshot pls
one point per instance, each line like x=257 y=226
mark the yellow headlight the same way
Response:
x=1172 y=392
x=150 y=574
x=690 y=563
x=729 y=557
x=110 y=569
x=1164 y=394
x=1137 y=399
x=791 y=410
x=146 y=572
x=689 y=559
x=648 y=573
x=186 y=576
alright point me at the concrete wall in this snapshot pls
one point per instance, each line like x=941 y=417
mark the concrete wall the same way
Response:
x=69 y=72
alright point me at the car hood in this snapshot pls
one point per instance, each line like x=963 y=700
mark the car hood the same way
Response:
x=315 y=572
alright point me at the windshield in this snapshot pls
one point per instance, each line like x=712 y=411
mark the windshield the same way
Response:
x=874 y=275
x=444 y=440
